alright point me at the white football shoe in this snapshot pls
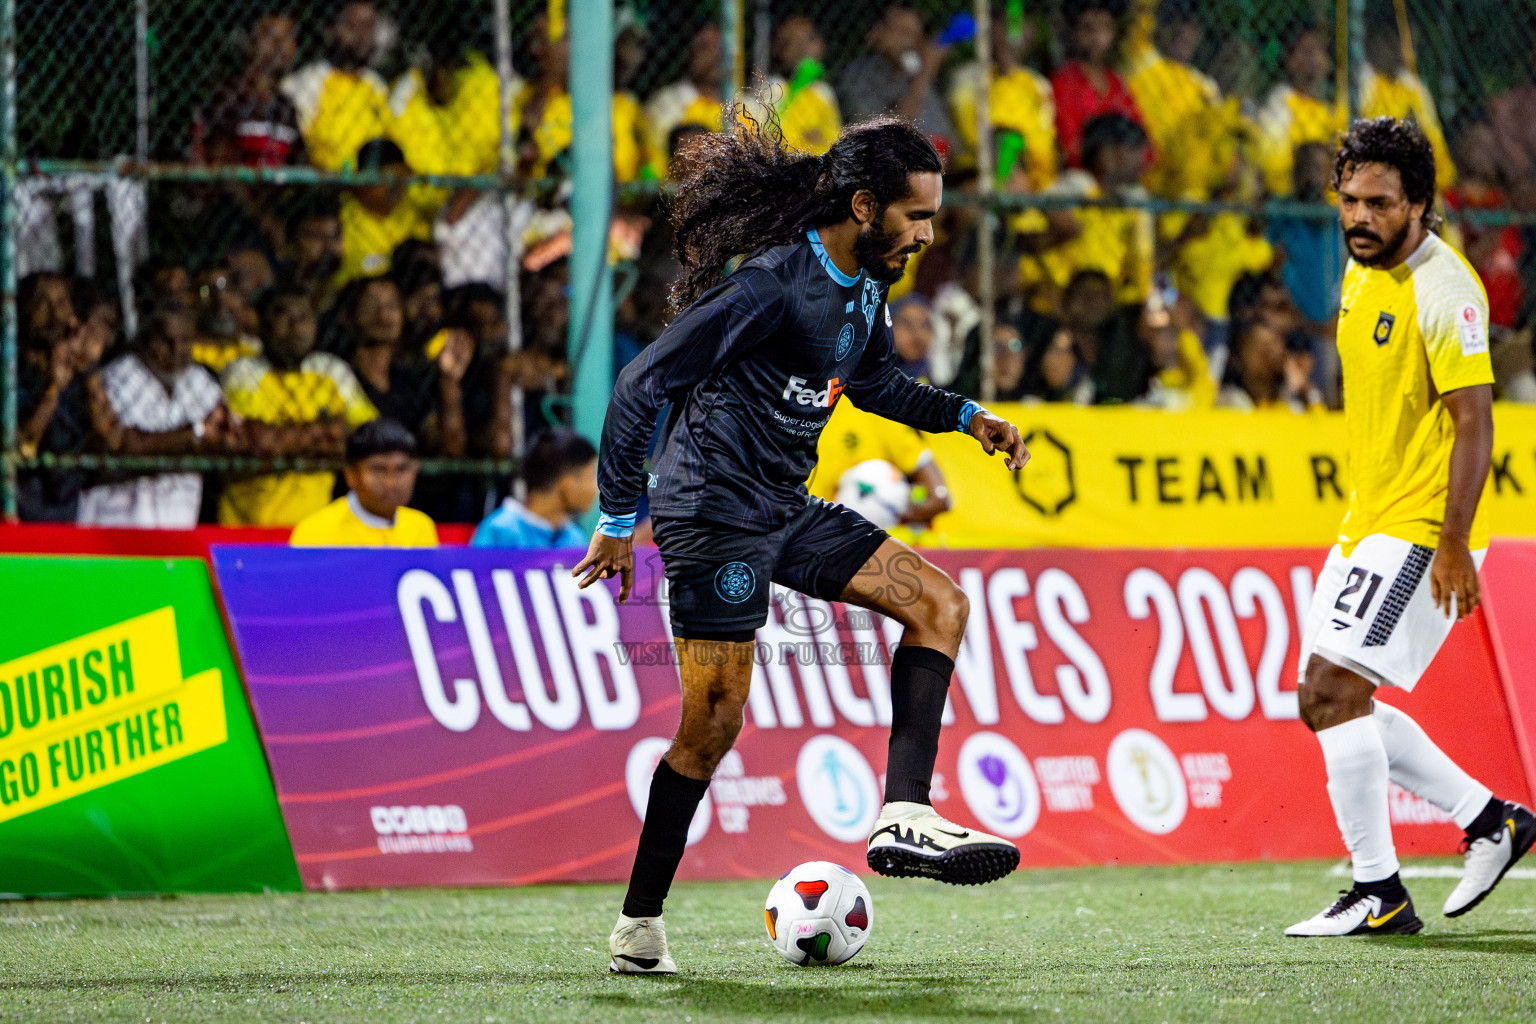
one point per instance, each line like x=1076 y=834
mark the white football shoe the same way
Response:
x=1355 y=913
x=911 y=840
x=639 y=946
x=1489 y=856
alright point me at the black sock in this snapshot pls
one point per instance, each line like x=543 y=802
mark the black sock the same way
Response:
x=1488 y=819
x=673 y=800
x=1388 y=888
x=919 y=684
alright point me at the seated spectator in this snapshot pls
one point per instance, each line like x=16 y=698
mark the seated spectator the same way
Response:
x=695 y=99
x=1008 y=362
x=341 y=102
x=1115 y=242
x=101 y=320
x=1296 y=111
x=1087 y=86
x=52 y=412
x=418 y=391
x=1311 y=248
x=1095 y=357
x=249 y=120
x=1023 y=110
x=295 y=402
x=1181 y=374
x=421 y=299
x=560 y=471
x=544 y=109
x=250 y=274
x=377 y=218
x=1210 y=255
x=446 y=112
x=380 y=472
x=154 y=400
x=221 y=319
x=899 y=76
x=803 y=101
x=1388 y=88
x=1496 y=252
x=912 y=333
x=1270 y=370
x=312 y=251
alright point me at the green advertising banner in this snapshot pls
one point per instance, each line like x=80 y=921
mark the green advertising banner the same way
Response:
x=128 y=758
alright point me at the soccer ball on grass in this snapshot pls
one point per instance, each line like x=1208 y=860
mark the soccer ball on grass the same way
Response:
x=819 y=913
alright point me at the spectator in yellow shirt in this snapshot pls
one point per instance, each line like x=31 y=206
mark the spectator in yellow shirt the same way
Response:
x=341 y=101
x=1296 y=111
x=696 y=98
x=1389 y=89
x=853 y=436
x=1023 y=108
x=377 y=218
x=294 y=402
x=1210 y=255
x=381 y=476
x=802 y=100
x=1116 y=242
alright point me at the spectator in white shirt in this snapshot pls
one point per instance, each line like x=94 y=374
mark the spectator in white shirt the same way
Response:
x=155 y=401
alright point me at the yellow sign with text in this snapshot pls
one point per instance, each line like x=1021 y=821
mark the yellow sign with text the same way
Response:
x=99 y=708
x=1129 y=477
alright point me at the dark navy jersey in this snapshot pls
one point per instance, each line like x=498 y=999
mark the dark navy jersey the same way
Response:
x=752 y=371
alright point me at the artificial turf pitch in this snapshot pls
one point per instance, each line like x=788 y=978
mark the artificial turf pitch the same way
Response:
x=1091 y=944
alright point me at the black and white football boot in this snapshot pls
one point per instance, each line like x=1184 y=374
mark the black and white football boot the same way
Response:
x=911 y=840
x=1490 y=855
x=1360 y=913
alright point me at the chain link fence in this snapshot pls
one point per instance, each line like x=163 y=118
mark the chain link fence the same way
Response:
x=402 y=167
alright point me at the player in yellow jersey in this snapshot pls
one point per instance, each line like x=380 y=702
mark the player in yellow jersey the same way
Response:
x=1413 y=342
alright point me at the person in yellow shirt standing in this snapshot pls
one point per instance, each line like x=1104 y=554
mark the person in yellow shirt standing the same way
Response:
x=341 y=101
x=1389 y=89
x=1295 y=111
x=804 y=103
x=293 y=401
x=1413 y=341
x=1023 y=108
x=381 y=476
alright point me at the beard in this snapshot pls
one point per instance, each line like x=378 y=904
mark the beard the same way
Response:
x=1387 y=247
x=873 y=250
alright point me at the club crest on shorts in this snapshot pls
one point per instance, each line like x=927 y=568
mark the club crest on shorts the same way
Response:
x=1384 y=324
x=844 y=342
x=735 y=581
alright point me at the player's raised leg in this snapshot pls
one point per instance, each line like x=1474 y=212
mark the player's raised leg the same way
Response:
x=716 y=675
x=911 y=838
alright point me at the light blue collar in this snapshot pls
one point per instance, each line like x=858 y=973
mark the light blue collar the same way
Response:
x=820 y=250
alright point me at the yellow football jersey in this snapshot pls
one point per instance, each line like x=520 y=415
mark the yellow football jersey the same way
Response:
x=1023 y=102
x=338 y=112
x=1407 y=336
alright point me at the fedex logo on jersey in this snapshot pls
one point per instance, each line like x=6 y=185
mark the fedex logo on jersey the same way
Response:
x=797 y=392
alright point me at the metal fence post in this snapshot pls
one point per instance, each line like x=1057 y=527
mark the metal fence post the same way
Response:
x=512 y=219
x=591 y=278
x=1356 y=35
x=986 y=172
x=731 y=37
x=8 y=154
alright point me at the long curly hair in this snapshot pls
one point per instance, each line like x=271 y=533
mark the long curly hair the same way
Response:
x=741 y=192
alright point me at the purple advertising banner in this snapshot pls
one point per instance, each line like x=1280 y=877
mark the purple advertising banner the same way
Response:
x=463 y=716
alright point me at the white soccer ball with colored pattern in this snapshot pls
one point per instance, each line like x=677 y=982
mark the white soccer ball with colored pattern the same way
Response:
x=819 y=914
x=876 y=490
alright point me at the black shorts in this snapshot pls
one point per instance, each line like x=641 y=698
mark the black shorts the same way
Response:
x=718 y=576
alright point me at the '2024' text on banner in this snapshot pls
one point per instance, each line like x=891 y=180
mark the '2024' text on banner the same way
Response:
x=1129 y=477
x=128 y=759
x=450 y=717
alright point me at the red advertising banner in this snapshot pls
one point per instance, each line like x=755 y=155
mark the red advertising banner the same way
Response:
x=469 y=717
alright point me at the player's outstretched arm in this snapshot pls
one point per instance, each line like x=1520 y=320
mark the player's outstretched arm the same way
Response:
x=1453 y=573
x=998 y=435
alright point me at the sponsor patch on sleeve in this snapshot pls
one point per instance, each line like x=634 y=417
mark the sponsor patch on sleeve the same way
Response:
x=1472 y=329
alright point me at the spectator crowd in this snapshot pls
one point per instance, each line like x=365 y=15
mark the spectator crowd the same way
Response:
x=277 y=322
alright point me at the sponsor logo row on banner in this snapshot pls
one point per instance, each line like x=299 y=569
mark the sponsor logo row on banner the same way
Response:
x=481 y=714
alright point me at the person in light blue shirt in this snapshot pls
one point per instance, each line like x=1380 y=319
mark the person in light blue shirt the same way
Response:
x=561 y=474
